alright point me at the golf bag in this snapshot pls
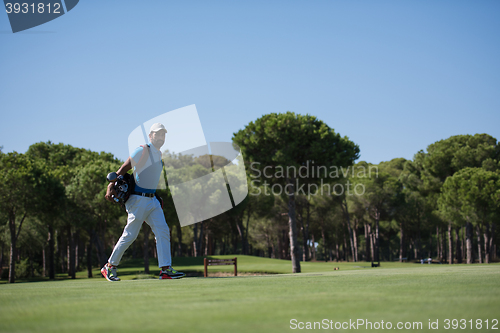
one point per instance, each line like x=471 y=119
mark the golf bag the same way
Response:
x=123 y=186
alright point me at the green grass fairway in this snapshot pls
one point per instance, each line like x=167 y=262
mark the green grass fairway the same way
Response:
x=405 y=293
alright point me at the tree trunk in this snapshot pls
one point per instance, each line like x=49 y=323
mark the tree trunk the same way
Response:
x=304 y=241
x=492 y=245
x=12 y=266
x=487 y=244
x=415 y=248
x=241 y=232
x=479 y=249
x=337 y=251
x=375 y=213
x=13 y=239
x=269 y=250
x=355 y=238
x=179 y=240
x=32 y=268
x=442 y=238
x=76 y=238
x=468 y=242
x=292 y=225
x=60 y=251
x=200 y=238
x=71 y=253
x=245 y=238
x=51 y=259
x=44 y=262
x=351 y=241
x=377 y=247
x=438 y=245
x=145 y=248
x=418 y=245
x=401 y=242
x=369 y=242
x=197 y=238
x=280 y=246
x=14 y=234
x=458 y=253
x=195 y=235
x=68 y=253
x=1 y=259
x=89 y=259
x=450 y=245
x=273 y=249
x=372 y=244
x=235 y=243
x=313 y=247
x=308 y=216
x=207 y=243
x=442 y=245
x=345 y=251
x=349 y=229
x=286 y=248
x=429 y=250
x=305 y=233
x=324 y=241
x=462 y=242
x=224 y=242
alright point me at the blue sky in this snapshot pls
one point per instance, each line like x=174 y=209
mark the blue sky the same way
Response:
x=393 y=76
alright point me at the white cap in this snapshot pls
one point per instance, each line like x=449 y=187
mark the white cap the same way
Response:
x=157 y=127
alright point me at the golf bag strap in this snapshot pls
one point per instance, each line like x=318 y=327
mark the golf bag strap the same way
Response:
x=160 y=199
x=144 y=157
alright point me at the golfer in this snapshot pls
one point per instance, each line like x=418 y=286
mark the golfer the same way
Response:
x=142 y=205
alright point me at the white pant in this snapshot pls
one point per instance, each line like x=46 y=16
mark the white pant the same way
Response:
x=141 y=209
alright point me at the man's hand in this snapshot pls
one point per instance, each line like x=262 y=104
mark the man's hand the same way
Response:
x=121 y=172
x=110 y=192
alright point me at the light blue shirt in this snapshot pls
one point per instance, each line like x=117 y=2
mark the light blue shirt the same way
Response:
x=147 y=178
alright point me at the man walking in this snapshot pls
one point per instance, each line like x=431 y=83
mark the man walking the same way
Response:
x=142 y=205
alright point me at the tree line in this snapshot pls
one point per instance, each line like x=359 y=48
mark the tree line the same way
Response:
x=308 y=200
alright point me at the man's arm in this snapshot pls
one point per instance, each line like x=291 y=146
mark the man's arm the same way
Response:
x=125 y=167
x=121 y=172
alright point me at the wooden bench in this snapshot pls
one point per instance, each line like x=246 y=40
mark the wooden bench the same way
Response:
x=220 y=262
